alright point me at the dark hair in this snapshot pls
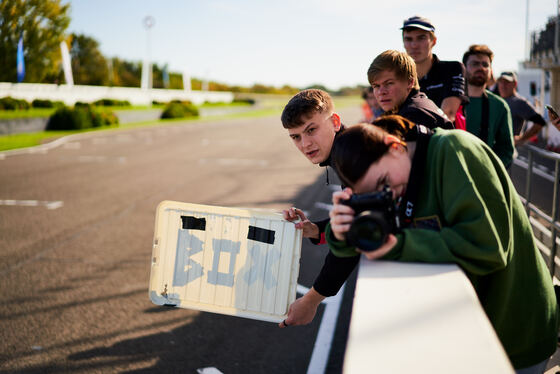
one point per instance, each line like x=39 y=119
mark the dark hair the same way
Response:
x=304 y=105
x=478 y=49
x=395 y=125
x=366 y=91
x=363 y=144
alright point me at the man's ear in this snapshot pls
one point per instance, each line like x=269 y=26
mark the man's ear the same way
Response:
x=410 y=84
x=389 y=139
x=393 y=141
x=434 y=41
x=336 y=121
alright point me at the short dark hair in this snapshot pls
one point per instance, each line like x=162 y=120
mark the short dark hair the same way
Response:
x=368 y=142
x=478 y=49
x=304 y=105
x=366 y=91
x=398 y=62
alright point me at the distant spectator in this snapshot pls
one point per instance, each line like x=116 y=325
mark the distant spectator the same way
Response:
x=488 y=115
x=370 y=108
x=392 y=74
x=442 y=81
x=521 y=109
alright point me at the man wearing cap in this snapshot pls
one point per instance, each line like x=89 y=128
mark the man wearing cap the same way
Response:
x=442 y=81
x=521 y=109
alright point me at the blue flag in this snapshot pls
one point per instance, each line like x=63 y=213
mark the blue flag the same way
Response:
x=20 y=61
x=165 y=77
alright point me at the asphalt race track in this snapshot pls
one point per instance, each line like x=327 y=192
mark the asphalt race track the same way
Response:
x=76 y=227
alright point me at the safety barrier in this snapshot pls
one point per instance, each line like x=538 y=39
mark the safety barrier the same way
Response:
x=136 y=96
x=421 y=318
x=545 y=224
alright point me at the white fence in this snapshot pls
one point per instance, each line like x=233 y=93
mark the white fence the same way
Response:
x=136 y=96
x=419 y=318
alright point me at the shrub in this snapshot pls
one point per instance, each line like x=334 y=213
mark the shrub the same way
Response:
x=81 y=104
x=245 y=100
x=9 y=103
x=178 y=109
x=66 y=118
x=111 y=102
x=40 y=103
x=80 y=117
x=102 y=118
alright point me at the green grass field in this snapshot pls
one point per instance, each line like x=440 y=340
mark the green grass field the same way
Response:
x=268 y=106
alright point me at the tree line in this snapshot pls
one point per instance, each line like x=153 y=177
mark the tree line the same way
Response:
x=42 y=25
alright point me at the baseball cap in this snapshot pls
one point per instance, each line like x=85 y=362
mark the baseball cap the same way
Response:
x=418 y=22
x=509 y=76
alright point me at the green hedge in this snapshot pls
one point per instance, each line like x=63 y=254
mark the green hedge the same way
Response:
x=179 y=109
x=111 y=102
x=80 y=117
x=9 y=103
x=40 y=103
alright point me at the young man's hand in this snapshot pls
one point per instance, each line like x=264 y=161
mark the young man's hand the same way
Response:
x=303 y=310
x=341 y=215
x=310 y=230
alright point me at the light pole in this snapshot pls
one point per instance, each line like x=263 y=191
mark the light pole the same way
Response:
x=527 y=52
x=146 y=82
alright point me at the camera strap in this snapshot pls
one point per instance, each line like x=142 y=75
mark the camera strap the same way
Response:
x=485 y=118
x=421 y=135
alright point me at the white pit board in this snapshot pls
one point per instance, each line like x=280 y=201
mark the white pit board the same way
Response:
x=235 y=261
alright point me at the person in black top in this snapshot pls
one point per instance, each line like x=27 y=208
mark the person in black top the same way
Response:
x=392 y=74
x=442 y=81
x=313 y=126
x=521 y=110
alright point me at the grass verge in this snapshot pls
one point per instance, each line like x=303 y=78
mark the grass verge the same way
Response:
x=271 y=107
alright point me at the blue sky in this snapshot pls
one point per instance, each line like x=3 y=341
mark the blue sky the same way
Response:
x=299 y=42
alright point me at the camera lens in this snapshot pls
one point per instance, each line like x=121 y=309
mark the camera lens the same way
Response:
x=368 y=231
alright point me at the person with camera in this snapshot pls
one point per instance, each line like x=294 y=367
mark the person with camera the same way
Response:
x=455 y=204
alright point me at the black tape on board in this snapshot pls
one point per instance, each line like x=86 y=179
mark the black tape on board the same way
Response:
x=193 y=223
x=261 y=235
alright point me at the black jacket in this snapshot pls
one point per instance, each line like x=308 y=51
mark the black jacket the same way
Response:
x=419 y=109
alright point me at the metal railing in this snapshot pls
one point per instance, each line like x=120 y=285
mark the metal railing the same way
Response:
x=545 y=224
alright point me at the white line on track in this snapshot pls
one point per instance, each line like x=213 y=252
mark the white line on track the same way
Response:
x=208 y=370
x=323 y=342
x=51 y=205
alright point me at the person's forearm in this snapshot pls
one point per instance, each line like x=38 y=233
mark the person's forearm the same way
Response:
x=450 y=105
x=534 y=130
x=312 y=297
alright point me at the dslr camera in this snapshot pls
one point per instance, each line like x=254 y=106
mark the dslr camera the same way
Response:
x=376 y=217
